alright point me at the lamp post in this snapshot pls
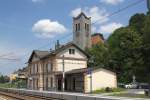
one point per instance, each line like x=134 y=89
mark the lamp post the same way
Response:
x=91 y=61
x=63 y=80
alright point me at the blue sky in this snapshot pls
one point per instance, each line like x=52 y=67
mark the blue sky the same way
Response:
x=37 y=24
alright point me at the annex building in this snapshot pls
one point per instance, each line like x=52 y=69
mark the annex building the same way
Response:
x=65 y=68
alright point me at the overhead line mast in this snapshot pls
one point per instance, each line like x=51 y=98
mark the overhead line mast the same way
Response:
x=148 y=5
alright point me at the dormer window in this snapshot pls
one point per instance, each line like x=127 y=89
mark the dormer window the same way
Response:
x=71 y=51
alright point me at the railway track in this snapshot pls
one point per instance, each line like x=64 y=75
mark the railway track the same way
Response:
x=20 y=96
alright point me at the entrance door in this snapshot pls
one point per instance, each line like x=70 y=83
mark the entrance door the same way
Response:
x=66 y=87
x=59 y=84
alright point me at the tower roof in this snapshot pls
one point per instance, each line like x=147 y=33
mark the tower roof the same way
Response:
x=81 y=14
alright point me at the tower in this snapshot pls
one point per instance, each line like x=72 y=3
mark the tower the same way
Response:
x=82 y=31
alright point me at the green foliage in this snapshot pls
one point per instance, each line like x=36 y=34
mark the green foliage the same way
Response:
x=8 y=85
x=127 y=51
x=137 y=22
x=125 y=45
x=130 y=49
x=4 y=79
x=99 y=56
x=103 y=90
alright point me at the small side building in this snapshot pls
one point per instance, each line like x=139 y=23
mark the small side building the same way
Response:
x=100 y=78
x=87 y=80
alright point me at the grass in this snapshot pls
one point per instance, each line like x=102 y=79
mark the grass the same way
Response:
x=103 y=90
x=8 y=85
x=130 y=95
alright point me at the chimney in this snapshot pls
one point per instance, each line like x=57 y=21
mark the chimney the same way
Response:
x=57 y=45
x=50 y=49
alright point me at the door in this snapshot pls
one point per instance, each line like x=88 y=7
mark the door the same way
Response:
x=74 y=84
x=59 y=84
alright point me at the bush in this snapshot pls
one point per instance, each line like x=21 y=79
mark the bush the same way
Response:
x=107 y=89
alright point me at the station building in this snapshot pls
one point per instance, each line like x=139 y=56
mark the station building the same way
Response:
x=46 y=71
x=47 y=68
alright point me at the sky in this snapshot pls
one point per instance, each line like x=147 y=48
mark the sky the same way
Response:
x=26 y=25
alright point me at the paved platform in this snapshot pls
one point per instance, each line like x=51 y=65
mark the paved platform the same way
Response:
x=68 y=95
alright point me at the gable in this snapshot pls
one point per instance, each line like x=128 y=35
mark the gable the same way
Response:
x=33 y=57
x=77 y=54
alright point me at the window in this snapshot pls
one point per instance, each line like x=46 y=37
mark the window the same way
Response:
x=46 y=83
x=46 y=67
x=87 y=27
x=30 y=70
x=50 y=65
x=33 y=68
x=37 y=68
x=71 y=51
x=78 y=26
x=51 y=81
x=37 y=85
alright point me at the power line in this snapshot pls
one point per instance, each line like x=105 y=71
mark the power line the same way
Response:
x=10 y=59
x=114 y=13
x=120 y=10
x=7 y=54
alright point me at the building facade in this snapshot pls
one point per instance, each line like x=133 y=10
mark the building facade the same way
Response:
x=82 y=31
x=97 y=38
x=45 y=67
x=46 y=71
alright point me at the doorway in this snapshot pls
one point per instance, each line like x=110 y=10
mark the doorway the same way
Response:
x=59 y=84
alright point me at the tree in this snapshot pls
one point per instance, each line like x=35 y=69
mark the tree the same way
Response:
x=99 y=55
x=2 y=79
x=124 y=45
x=137 y=22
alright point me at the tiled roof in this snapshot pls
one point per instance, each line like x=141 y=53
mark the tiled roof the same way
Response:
x=41 y=54
x=45 y=54
x=83 y=70
x=82 y=14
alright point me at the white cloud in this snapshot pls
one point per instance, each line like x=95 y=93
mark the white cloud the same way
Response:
x=46 y=28
x=112 y=2
x=98 y=15
x=107 y=29
x=75 y=12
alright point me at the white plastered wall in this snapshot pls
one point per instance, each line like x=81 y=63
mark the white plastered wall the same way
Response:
x=100 y=79
x=75 y=61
